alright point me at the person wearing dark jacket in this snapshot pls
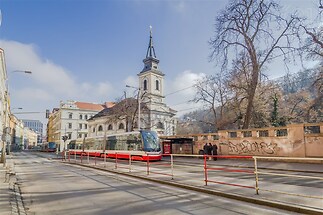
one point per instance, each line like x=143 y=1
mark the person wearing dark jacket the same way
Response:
x=205 y=149
x=215 y=151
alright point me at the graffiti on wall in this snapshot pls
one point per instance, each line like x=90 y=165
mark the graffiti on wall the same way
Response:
x=246 y=147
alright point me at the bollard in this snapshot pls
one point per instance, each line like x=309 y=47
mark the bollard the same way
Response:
x=95 y=160
x=75 y=156
x=88 y=157
x=172 y=165
x=69 y=156
x=147 y=165
x=116 y=166
x=105 y=160
x=129 y=162
x=256 y=176
x=205 y=170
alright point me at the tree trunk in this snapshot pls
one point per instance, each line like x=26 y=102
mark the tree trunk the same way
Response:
x=251 y=95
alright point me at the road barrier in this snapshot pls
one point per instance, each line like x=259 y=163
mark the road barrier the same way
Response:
x=287 y=190
x=209 y=168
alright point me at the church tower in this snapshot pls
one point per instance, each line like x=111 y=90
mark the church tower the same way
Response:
x=159 y=117
x=151 y=79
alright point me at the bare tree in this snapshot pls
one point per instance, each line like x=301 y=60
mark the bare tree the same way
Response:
x=255 y=29
x=213 y=92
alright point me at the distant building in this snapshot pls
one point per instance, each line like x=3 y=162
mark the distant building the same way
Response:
x=154 y=113
x=70 y=120
x=36 y=126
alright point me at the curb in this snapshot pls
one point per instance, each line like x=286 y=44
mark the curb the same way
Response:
x=269 y=203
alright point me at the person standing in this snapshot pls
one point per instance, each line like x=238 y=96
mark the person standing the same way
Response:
x=210 y=151
x=205 y=149
x=215 y=151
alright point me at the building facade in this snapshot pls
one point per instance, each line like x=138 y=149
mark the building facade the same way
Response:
x=70 y=120
x=154 y=114
x=36 y=126
x=4 y=106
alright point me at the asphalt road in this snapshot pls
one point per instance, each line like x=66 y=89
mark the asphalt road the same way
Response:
x=51 y=187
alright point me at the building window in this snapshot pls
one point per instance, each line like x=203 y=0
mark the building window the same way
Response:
x=85 y=126
x=81 y=117
x=79 y=135
x=100 y=128
x=93 y=129
x=80 y=126
x=121 y=126
x=160 y=125
x=281 y=132
x=312 y=129
x=70 y=116
x=85 y=135
x=69 y=125
x=69 y=135
x=263 y=133
x=246 y=133
x=157 y=85
x=232 y=134
x=110 y=127
x=215 y=137
x=145 y=84
x=85 y=117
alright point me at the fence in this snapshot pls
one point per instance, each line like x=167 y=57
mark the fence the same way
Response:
x=202 y=170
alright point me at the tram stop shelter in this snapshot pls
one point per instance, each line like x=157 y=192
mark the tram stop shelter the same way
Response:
x=177 y=145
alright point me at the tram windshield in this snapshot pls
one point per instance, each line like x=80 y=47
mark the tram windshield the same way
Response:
x=151 y=141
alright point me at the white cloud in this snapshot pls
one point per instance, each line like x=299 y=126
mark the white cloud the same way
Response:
x=181 y=91
x=179 y=6
x=48 y=84
x=131 y=81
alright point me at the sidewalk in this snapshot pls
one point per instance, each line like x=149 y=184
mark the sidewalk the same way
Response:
x=5 y=192
x=5 y=206
x=10 y=200
x=193 y=179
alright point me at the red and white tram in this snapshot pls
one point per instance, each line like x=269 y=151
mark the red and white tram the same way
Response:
x=140 y=145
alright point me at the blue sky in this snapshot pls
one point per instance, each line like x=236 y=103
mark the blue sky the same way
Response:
x=88 y=50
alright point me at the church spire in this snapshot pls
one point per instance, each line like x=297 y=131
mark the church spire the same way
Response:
x=151 y=61
x=151 y=49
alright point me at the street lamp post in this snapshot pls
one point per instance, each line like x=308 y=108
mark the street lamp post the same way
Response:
x=6 y=115
x=139 y=93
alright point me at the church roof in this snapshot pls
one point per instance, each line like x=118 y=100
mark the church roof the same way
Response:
x=129 y=105
x=90 y=106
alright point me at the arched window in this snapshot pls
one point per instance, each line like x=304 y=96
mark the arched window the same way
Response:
x=110 y=127
x=157 y=85
x=81 y=117
x=100 y=128
x=70 y=116
x=145 y=85
x=121 y=126
x=85 y=116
